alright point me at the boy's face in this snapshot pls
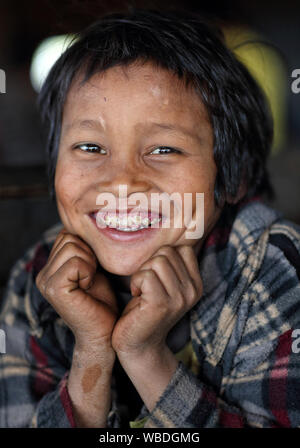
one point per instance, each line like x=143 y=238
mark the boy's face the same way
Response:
x=109 y=139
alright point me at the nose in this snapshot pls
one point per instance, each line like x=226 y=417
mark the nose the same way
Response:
x=127 y=172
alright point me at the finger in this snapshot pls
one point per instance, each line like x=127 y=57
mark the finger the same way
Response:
x=66 y=292
x=67 y=237
x=164 y=270
x=135 y=302
x=60 y=236
x=190 y=260
x=177 y=262
x=147 y=285
x=100 y=289
x=76 y=273
x=66 y=252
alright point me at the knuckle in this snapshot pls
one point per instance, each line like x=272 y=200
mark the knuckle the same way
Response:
x=159 y=260
x=164 y=309
x=185 y=250
x=180 y=300
x=40 y=280
x=192 y=293
x=149 y=274
x=49 y=289
x=165 y=250
x=70 y=245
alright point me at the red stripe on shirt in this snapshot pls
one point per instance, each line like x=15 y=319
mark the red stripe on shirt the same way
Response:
x=43 y=376
x=28 y=266
x=66 y=400
x=230 y=420
x=278 y=379
x=38 y=260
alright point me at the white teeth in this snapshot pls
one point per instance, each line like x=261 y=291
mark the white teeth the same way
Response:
x=130 y=223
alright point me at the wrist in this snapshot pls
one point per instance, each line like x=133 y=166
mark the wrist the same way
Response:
x=86 y=354
x=89 y=389
x=150 y=372
x=145 y=355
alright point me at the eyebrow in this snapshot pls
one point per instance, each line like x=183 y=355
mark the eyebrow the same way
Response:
x=95 y=124
x=84 y=124
x=171 y=127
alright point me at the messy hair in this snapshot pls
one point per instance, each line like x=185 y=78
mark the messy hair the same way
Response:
x=193 y=49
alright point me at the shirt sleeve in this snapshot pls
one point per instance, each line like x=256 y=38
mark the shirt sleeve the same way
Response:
x=33 y=380
x=261 y=364
x=34 y=363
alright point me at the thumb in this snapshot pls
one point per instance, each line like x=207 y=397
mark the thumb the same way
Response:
x=101 y=289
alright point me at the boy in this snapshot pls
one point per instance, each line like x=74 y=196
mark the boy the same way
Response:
x=117 y=322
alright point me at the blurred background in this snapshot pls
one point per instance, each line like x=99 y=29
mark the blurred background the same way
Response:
x=264 y=35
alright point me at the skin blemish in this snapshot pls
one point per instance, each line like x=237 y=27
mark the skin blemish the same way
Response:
x=156 y=91
x=102 y=121
x=104 y=98
x=90 y=378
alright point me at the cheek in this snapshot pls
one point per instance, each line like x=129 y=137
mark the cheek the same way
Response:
x=67 y=185
x=204 y=182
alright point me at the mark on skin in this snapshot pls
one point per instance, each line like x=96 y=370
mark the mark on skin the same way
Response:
x=104 y=98
x=102 y=121
x=156 y=91
x=90 y=378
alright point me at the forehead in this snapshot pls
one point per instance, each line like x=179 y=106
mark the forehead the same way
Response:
x=140 y=86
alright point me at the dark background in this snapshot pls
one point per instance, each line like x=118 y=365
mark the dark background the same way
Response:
x=25 y=208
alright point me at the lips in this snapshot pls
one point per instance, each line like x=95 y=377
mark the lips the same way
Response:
x=119 y=233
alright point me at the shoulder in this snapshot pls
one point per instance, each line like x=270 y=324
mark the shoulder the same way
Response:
x=22 y=302
x=284 y=237
x=277 y=285
x=260 y=297
x=279 y=272
x=32 y=326
x=267 y=244
x=272 y=299
x=36 y=257
x=271 y=268
x=32 y=261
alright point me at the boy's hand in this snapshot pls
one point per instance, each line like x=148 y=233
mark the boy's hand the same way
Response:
x=166 y=287
x=80 y=295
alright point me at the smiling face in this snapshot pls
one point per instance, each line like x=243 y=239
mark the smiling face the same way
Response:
x=141 y=127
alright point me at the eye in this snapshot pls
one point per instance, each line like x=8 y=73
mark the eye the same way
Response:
x=165 y=150
x=90 y=147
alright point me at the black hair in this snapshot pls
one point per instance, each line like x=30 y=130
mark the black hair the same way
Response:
x=194 y=50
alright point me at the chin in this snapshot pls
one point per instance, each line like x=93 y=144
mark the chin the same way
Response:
x=120 y=268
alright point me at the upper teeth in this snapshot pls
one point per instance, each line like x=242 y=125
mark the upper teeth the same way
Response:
x=129 y=223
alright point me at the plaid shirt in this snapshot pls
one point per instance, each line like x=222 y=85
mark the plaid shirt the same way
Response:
x=240 y=367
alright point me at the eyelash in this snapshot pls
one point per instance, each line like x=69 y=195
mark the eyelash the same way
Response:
x=91 y=145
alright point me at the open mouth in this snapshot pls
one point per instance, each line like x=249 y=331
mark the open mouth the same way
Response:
x=125 y=222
